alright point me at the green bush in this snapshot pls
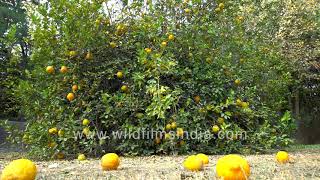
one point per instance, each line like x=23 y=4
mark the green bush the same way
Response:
x=191 y=63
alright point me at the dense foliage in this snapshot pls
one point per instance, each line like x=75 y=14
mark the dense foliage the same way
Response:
x=169 y=66
x=14 y=52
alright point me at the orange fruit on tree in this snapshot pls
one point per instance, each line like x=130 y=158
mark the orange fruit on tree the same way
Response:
x=53 y=130
x=119 y=74
x=197 y=99
x=124 y=88
x=157 y=140
x=187 y=10
x=110 y=161
x=89 y=56
x=148 y=50
x=171 y=37
x=180 y=132
x=220 y=120
x=60 y=155
x=70 y=97
x=86 y=131
x=75 y=88
x=173 y=125
x=282 y=157
x=20 y=169
x=72 y=53
x=232 y=167
x=221 y=5
x=182 y=142
x=113 y=44
x=237 y=82
x=215 y=129
x=168 y=126
x=244 y=104
x=164 y=44
x=60 y=132
x=238 y=102
x=239 y=19
x=52 y=144
x=64 y=69
x=217 y=10
x=86 y=122
x=167 y=136
x=50 y=69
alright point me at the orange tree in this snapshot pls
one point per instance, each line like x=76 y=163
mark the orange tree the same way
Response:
x=168 y=66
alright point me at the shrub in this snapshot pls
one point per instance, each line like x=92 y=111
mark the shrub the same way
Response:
x=193 y=64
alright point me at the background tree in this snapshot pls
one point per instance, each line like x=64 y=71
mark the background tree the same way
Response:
x=14 y=52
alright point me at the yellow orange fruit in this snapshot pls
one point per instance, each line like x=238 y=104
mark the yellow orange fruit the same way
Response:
x=168 y=127
x=119 y=74
x=110 y=161
x=180 y=132
x=86 y=131
x=53 y=130
x=238 y=102
x=113 y=44
x=215 y=129
x=167 y=136
x=124 y=88
x=157 y=140
x=282 y=157
x=60 y=155
x=52 y=144
x=164 y=44
x=239 y=19
x=171 y=37
x=232 y=167
x=60 y=132
x=237 y=82
x=50 y=69
x=81 y=157
x=85 y=122
x=148 y=50
x=70 y=97
x=187 y=10
x=220 y=120
x=89 y=56
x=204 y=158
x=193 y=163
x=98 y=22
x=20 y=169
x=244 y=104
x=197 y=99
x=182 y=142
x=221 y=5
x=173 y=125
x=75 y=88
x=72 y=53
x=64 y=69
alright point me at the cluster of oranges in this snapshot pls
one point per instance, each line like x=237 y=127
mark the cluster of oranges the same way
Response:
x=70 y=97
x=229 y=167
x=220 y=120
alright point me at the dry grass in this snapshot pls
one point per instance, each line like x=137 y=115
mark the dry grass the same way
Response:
x=304 y=165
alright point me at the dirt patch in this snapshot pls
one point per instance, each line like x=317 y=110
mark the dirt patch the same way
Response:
x=304 y=165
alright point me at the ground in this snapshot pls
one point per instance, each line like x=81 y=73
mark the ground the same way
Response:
x=305 y=164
